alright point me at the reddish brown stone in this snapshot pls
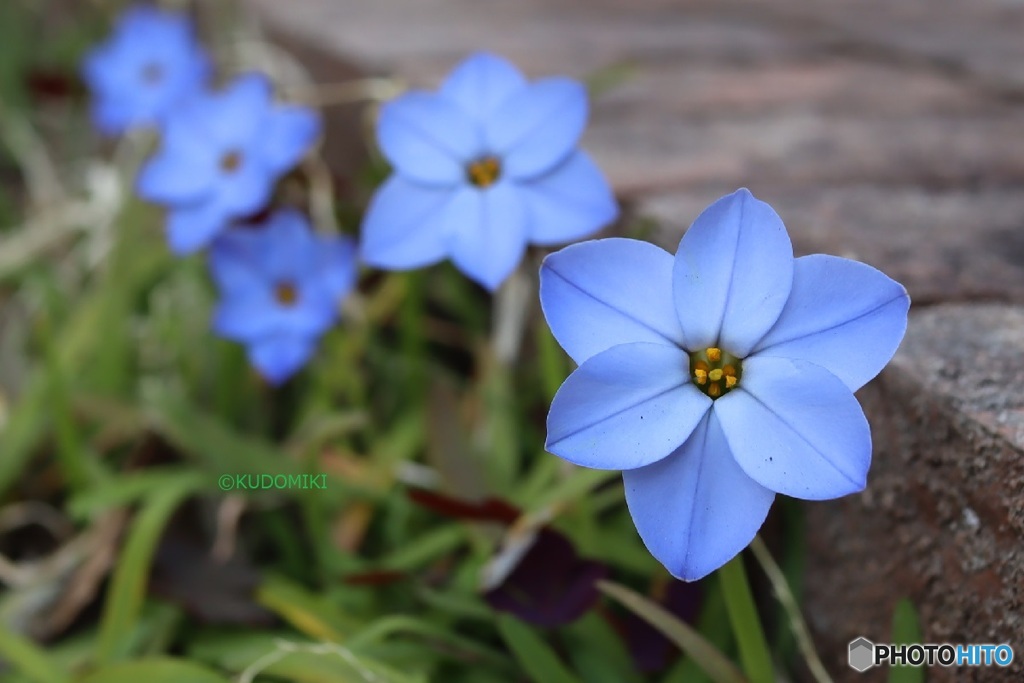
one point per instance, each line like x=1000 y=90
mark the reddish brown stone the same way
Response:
x=942 y=520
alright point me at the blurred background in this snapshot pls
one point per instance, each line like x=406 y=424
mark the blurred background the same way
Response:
x=889 y=132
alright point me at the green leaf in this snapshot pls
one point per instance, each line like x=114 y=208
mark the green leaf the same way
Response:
x=128 y=585
x=308 y=613
x=710 y=659
x=27 y=658
x=757 y=661
x=156 y=670
x=906 y=629
x=538 y=660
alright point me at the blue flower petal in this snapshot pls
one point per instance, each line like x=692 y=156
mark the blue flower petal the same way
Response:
x=403 y=227
x=601 y=293
x=246 y=190
x=488 y=232
x=235 y=116
x=626 y=407
x=538 y=126
x=570 y=202
x=172 y=177
x=247 y=315
x=235 y=263
x=429 y=138
x=481 y=83
x=192 y=227
x=287 y=135
x=278 y=358
x=796 y=429
x=336 y=268
x=288 y=246
x=843 y=315
x=733 y=274
x=696 y=509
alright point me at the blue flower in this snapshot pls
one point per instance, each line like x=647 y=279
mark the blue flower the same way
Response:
x=281 y=286
x=150 y=64
x=483 y=167
x=717 y=378
x=220 y=156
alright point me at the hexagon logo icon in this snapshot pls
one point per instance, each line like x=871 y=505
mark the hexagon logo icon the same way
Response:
x=862 y=654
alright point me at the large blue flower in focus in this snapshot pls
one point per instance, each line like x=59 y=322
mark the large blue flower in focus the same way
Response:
x=150 y=64
x=483 y=167
x=719 y=377
x=281 y=285
x=221 y=154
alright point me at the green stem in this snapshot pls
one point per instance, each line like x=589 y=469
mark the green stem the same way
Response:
x=739 y=602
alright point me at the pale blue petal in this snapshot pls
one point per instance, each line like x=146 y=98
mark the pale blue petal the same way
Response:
x=171 y=177
x=246 y=316
x=568 y=203
x=626 y=407
x=336 y=269
x=795 y=428
x=190 y=228
x=278 y=358
x=403 y=228
x=481 y=83
x=601 y=293
x=235 y=264
x=286 y=137
x=488 y=232
x=234 y=117
x=246 y=190
x=843 y=315
x=696 y=509
x=428 y=137
x=538 y=126
x=288 y=247
x=733 y=274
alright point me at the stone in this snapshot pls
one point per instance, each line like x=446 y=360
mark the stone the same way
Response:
x=942 y=519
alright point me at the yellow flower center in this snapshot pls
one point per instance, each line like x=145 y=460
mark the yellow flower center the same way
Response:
x=286 y=294
x=715 y=372
x=230 y=162
x=484 y=172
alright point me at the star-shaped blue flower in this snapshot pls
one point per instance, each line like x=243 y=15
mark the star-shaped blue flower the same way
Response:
x=719 y=377
x=220 y=156
x=281 y=286
x=150 y=63
x=483 y=167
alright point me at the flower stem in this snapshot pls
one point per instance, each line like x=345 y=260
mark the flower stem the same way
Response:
x=788 y=602
x=739 y=602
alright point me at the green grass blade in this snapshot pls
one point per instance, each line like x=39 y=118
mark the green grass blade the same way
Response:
x=746 y=625
x=538 y=660
x=706 y=655
x=128 y=585
x=28 y=659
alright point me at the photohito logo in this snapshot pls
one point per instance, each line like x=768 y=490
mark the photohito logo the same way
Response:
x=864 y=654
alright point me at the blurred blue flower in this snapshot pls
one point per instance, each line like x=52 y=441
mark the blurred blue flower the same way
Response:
x=281 y=286
x=717 y=378
x=220 y=156
x=150 y=63
x=483 y=167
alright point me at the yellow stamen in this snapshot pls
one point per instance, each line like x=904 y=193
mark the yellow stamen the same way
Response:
x=484 y=172
x=715 y=375
x=730 y=381
x=700 y=376
x=714 y=390
x=729 y=371
x=714 y=354
x=286 y=294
